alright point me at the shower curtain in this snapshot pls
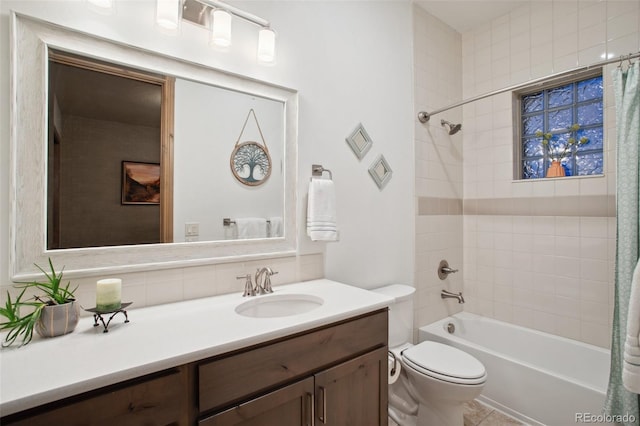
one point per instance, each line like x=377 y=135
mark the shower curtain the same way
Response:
x=619 y=401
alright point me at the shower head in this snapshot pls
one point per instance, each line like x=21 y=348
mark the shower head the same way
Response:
x=453 y=128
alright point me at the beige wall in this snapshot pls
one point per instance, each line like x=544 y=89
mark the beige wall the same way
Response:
x=91 y=211
x=540 y=253
x=535 y=253
x=438 y=159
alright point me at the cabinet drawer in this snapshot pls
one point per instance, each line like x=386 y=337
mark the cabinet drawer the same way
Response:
x=154 y=401
x=288 y=406
x=232 y=378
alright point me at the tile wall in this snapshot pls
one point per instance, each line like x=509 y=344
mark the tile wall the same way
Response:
x=539 y=253
x=174 y=285
x=438 y=156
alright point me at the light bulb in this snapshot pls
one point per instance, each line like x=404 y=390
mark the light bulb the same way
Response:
x=167 y=13
x=221 y=28
x=266 y=46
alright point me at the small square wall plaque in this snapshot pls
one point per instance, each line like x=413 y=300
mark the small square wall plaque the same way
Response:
x=359 y=141
x=380 y=171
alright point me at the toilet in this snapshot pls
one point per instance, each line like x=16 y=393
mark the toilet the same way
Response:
x=435 y=379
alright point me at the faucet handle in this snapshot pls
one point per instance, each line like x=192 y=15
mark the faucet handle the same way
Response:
x=267 y=280
x=248 y=285
x=444 y=270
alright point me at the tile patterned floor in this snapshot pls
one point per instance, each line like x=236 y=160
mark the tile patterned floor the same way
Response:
x=478 y=414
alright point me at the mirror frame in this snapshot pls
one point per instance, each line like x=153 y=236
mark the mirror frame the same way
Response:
x=31 y=39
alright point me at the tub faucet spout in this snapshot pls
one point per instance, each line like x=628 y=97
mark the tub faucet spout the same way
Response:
x=445 y=294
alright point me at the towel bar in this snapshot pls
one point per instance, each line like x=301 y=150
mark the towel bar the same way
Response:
x=317 y=170
x=228 y=221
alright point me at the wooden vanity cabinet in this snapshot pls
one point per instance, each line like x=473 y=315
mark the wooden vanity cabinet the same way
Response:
x=345 y=364
x=351 y=393
x=332 y=375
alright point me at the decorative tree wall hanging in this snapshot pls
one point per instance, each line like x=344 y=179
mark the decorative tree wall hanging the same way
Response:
x=250 y=161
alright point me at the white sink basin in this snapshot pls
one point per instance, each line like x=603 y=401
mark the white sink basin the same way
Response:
x=279 y=305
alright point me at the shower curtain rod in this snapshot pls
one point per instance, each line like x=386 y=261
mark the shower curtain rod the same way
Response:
x=424 y=116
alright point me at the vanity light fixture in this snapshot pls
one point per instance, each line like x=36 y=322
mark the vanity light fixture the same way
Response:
x=221 y=27
x=168 y=13
x=217 y=15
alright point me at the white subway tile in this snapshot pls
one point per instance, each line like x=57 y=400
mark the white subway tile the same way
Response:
x=622 y=25
x=544 y=321
x=568 y=327
x=567 y=246
x=594 y=269
x=596 y=334
x=161 y=292
x=595 y=227
x=568 y=287
x=594 y=312
x=594 y=291
x=594 y=248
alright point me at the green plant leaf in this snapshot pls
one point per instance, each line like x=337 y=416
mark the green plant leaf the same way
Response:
x=21 y=326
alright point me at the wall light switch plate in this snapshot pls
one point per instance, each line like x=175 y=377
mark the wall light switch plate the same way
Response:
x=191 y=229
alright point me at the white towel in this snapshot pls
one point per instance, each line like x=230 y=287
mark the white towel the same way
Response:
x=251 y=227
x=321 y=211
x=631 y=365
x=275 y=226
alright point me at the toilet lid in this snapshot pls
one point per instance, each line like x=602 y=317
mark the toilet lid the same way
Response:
x=446 y=361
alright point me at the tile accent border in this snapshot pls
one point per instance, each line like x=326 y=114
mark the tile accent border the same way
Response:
x=434 y=206
x=585 y=206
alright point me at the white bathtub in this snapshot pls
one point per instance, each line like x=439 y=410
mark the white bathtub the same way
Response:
x=536 y=377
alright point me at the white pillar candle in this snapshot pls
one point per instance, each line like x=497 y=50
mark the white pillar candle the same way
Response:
x=108 y=294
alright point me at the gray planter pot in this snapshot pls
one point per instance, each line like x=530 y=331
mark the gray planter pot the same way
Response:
x=56 y=320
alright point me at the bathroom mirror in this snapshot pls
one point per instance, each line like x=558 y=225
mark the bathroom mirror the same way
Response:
x=30 y=51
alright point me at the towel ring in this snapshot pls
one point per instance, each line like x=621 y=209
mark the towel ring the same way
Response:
x=317 y=170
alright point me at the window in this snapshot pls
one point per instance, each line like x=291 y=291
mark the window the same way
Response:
x=562 y=123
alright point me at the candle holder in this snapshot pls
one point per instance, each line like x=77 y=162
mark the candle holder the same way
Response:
x=98 y=315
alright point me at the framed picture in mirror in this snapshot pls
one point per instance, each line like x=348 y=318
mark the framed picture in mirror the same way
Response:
x=359 y=141
x=140 y=183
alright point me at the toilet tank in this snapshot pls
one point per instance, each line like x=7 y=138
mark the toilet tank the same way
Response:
x=400 y=313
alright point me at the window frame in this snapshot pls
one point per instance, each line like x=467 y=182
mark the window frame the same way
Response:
x=539 y=87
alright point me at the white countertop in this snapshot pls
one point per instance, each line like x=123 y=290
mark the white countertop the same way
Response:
x=157 y=338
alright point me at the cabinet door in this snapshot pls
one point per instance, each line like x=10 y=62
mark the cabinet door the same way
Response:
x=288 y=406
x=353 y=393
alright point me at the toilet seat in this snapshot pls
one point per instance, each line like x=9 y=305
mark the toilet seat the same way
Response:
x=445 y=363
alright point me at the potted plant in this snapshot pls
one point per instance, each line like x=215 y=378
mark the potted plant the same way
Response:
x=558 y=150
x=53 y=313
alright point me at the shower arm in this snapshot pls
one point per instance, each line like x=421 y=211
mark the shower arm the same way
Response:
x=424 y=116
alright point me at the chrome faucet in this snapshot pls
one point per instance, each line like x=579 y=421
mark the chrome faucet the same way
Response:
x=445 y=294
x=251 y=289
x=265 y=274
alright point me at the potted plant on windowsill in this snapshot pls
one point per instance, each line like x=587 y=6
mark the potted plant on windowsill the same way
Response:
x=53 y=313
x=557 y=151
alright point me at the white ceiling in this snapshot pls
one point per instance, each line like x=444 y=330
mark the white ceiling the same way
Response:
x=465 y=15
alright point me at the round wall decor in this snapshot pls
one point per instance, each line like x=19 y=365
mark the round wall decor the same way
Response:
x=250 y=161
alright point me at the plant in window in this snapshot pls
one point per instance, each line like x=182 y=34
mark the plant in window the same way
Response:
x=558 y=150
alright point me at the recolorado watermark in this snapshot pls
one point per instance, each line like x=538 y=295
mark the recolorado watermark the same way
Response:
x=604 y=418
